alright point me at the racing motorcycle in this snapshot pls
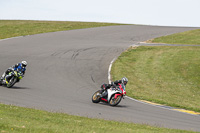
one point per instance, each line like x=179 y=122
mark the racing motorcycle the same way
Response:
x=114 y=96
x=15 y=77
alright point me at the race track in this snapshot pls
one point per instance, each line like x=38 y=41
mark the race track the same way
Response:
x=66 y=68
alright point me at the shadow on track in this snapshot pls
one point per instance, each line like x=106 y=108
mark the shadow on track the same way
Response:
x=118 y=106
x=16 y=87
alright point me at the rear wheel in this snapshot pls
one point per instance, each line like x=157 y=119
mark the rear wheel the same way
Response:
x=114 y=101
x=1 y=80
x=96 y=97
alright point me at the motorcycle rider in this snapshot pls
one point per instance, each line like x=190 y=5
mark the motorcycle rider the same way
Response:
x=20 y=67
x=104 y=87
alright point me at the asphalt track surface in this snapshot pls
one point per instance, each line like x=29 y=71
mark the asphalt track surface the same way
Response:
x=66 y=68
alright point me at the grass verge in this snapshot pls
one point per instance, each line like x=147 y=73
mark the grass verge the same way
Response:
x=162 y=74
x=17 y=120
x=13 y=28
x=188 y=37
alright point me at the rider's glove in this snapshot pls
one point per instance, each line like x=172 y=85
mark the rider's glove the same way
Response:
x=103 y=86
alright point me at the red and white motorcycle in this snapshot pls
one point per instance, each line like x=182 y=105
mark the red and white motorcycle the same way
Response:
x=114 y=96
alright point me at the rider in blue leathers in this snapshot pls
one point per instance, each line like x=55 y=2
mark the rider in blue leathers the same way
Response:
x=19 y=67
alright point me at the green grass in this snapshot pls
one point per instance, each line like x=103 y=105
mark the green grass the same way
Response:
x=13 y=28
x=163 y=74
x=188 y=37
x=17 y=120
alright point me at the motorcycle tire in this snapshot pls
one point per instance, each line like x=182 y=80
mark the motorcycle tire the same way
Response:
x=96 y=97
x=11 y=82
x=113 y=101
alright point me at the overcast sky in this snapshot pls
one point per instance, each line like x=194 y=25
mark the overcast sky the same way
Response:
x=148 y=12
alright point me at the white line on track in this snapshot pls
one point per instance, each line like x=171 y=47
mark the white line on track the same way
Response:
x=12 y=38
x=109 y=80
x=109 y=70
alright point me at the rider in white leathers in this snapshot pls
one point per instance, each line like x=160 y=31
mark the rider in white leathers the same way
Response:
x=104 y=87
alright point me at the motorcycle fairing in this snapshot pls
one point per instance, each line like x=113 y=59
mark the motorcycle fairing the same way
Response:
x=111 y=92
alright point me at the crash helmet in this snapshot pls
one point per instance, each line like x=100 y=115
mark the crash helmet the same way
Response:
x=124 y=80
x=24 y=63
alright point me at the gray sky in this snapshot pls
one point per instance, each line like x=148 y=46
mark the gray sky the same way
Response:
x=148 y=12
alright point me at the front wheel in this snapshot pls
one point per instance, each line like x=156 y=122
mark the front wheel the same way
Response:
x=114 y=101
x=12 y=81
x=96 y=97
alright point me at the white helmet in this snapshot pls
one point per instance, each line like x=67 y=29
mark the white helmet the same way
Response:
x=24 y=63
x=124 y=80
